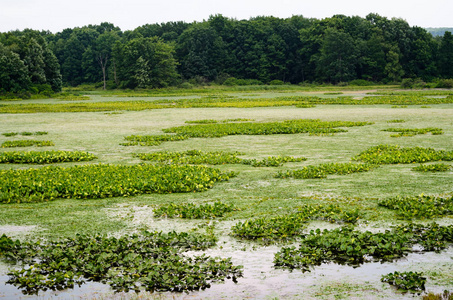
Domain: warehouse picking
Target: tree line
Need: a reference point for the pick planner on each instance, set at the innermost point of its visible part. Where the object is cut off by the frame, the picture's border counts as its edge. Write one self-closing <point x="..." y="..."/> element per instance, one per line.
<point x="259" y="50"/>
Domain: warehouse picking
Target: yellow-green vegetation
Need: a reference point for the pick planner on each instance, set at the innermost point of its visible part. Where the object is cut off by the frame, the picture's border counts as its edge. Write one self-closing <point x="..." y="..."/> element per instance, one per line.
<point x="102" y="181"/>
<point x="225" y="101"/>
<point x="413" y="131"/>
<point x="321" y="171"/>
<point x="313" y="127"/>
<point x="214" y="158"/>
<point x="390" y="154"/>
<point x="193" y="211"/>
<point x="26" y="143"/>
<point x="44" y="157"/>
<point x="432" y="168"/>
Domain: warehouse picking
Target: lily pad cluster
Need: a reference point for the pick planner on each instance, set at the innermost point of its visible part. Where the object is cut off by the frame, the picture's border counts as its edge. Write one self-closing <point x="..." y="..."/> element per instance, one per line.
<point x="322" y="170"/>
<point x="413" y="282"/>
<point x="392" y="154"/>
<point x="414" y="131"/>
<point x="290" y="226"/>
<point x="193" y="211"/>
<point x="433" y="168"/>
<point x="44" y="157"/>
<point x="151" y="261"/>
<point x="26" y="143"/>
<point x="214" y="158"/>
<point x="420" y="207"/>
<point x="348" y="246"/>
<point x="103" y="181"/>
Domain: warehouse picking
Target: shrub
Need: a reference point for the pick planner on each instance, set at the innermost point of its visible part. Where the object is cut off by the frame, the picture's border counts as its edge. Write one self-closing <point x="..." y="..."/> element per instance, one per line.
<point x="360" y="82"/>
<point x="276" y="82"/>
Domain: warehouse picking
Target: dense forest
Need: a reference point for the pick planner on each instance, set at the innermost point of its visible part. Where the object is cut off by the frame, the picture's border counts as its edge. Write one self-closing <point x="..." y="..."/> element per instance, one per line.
<point x="260" y="50"/>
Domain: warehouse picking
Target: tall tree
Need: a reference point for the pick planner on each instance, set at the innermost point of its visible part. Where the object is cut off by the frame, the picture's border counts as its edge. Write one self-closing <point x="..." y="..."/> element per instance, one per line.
<point x="13" y="72"/>
<point x="446" y="56"/>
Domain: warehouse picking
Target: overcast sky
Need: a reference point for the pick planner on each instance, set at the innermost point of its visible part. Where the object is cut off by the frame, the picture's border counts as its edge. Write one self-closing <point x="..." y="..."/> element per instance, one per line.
<point x="56" y="15"/>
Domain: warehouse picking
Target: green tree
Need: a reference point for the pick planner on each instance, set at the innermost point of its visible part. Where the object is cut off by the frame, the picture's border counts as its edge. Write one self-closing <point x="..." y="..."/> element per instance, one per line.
<point x="151" y="56"/>
<point x="13" y="72"/>
<point x="393" y="67"/>
<point x="338" y="57"/>
<point x="446" y="56"/>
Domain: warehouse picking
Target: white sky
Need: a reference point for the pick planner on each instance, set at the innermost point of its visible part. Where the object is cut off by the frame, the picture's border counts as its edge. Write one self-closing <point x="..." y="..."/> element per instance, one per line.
<point x="56" y="15"/>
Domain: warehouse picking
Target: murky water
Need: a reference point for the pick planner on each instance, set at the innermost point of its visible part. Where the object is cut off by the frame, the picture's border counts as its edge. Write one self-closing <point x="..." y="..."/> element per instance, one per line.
<point x="262" y="281"/>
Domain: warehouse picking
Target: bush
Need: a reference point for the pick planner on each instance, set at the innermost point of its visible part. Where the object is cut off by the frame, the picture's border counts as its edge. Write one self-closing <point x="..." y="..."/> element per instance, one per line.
<point x="276" y="82"/>
<point x="360" y="82"/>
<point x="445" y="84"/>
<point x="232" y="81"/>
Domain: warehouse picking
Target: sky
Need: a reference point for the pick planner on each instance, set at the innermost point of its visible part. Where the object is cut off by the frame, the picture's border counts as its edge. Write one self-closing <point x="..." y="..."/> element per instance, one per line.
<point x="56" y="15"/>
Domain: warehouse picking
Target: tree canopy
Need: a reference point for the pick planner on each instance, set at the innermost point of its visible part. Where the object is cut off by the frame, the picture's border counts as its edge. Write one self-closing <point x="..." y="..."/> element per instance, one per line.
<point x="297" y="49"/>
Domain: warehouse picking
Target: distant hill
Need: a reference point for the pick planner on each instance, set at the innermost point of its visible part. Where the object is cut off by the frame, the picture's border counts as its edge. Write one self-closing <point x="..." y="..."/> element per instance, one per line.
<point x="439" y="31"/>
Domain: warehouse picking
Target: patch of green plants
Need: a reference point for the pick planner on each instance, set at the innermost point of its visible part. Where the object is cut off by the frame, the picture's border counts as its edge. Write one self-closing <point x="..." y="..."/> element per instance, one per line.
<point x="399" y="106"/>
<point x="272" y="161"/>
<point x="103" y="181"/>
<point x="151" y="261"/>
<point x="25" y="133"/>
<point x="322" y="170"/>
<point x="44" y="157"/>
<point x="289" y="226"/>
<point x="413" y="282"/>
<point x="191" y="211"/>
<point x="333" y="93"/>
<point x="286" y="127"/>
<point x="73" y="97"/>
<point x="420" y="207"/>
<point x="26" y="143"/>
<point x="151" y="140"/>
<point x="348" y="246"/>
<point x="432" y="168"/>
<point x="214" y="158"/>
<point x="192" y="157"/>
<point x="396" y="121"/>
<point x="393" y="154"/>
<point x="414" y="131"/>
<point x="212" y="121"/>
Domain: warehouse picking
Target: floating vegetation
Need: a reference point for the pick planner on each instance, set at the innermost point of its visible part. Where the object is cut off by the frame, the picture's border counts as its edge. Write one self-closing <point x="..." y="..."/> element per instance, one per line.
<point x="399" y="106"/>
<point x="151" y="261"/>
<point x="74" y="98"/>
<point x="420" y="207"/>
<point x="290" y="226"/>
<point x="26" y="143"/>
<point x="211" y="121"/>
<point x="44" y="157"/>
<point x="392" y="154"/>
<point x="222" y="101"/>
<point x="396" y="121"/>
<point x="192" y="157"/>
<point x="312" y="126"/>
<point x="322" y="170"/>
<point x="151" y="140"/>
<point x="432" y="168"/>
<point x="191" y="211"/>
<point x="102" y="181"/>
<point x="214" y="158"/>
<point x="414" y="131"/>
<point x="25" y="133"/>
<point x="348" y="246"/>
<point x="413" y="282"/>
